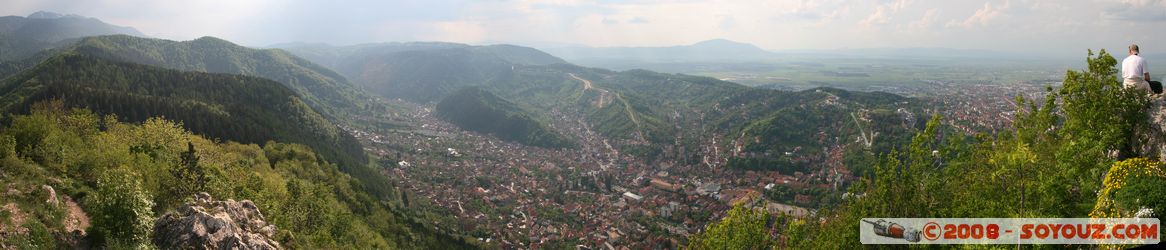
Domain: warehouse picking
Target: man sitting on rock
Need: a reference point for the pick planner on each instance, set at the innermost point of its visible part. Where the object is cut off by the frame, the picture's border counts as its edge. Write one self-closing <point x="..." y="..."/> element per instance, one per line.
<point x="1134" y="73"/>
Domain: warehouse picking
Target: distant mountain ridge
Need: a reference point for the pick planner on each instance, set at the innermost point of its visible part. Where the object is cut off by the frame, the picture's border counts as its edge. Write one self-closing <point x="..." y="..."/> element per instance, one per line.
<point x="721" y="55"/>
<point x="716" y="50"/>
<point x="329" y="55"/>
<point x="633" y="105"/>
<point x="531" y="79"/>
<point x="51" y="15"/>
<point x="21" y="37"/>
<point x="422" y="71"/>
<point x="907" y="52"/>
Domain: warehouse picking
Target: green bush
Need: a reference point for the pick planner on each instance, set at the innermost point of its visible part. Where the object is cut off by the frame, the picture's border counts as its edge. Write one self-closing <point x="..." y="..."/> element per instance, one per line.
<point x="742" y="228"/>
<point x="38" y="237"/>
<point x="120" y="209"/>
<point x="1143" y="192"/>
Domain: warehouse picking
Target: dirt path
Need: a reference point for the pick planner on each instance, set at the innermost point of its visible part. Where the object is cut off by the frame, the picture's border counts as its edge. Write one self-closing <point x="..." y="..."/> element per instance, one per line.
<point x="628" y="108"/>
<point x="15" y="218"/>
<point x="76" y="219"/>
<point x="605" y="97"/>
<point x="586" y="84"/>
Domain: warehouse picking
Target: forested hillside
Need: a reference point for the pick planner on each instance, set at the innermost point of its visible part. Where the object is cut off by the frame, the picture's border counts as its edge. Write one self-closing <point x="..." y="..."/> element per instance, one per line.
<point x="319" y="87"/>
<point x="478" y="110"/>
<point x="227" y="107"/>
<point x="806" y="122"/>
<point x="636" y="105"/>
<point x="107" y="180"/>
<point x="268" y="96"/>
<point x="664" y="108"/>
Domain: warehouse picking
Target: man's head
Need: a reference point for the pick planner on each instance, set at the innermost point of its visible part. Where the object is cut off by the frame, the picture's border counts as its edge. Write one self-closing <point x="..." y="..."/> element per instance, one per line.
<point x="1133" y="49"/>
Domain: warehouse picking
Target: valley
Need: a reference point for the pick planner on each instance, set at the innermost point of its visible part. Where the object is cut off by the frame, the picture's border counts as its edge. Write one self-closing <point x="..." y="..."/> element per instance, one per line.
<point x="512" y="195"/>
<point x="111" y="139"/>
<point x="523" y="196"/>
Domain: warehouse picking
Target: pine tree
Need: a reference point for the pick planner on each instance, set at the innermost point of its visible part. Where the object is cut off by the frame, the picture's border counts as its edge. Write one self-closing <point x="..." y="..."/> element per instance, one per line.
<point x="191" y="177"/>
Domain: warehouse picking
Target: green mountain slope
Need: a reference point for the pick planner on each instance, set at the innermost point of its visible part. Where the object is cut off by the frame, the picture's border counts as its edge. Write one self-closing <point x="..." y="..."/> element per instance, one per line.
<point x="478" y="110"/>
<point x="636" y="105"/>
<point x="674" y="108"/>
<point x="121" y="176"/>
<point x="610" y="102"/>
<point x="772" y="123"/>
<point x="319" y="87"/>
<point x="232" y="107"/>
<point x="324" y="209"/>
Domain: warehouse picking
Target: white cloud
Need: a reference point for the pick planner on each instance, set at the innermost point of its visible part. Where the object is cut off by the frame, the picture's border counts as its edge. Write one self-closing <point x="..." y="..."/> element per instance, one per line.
<point x="899" y="5"/>
<point x="168" y="19"/>
<point x="810" y="10"/>
<point x="925" y="22"/>
<point x="20" y="7"/>
<point x="1141" y="3"/>
<point x="1136" y="10"/>
<point x="456" y="31"/>
<point x="876" y="18"/>
<point x="836" y="13"/>
<point x="982" y="16"/>
<point x="884" y="12"/>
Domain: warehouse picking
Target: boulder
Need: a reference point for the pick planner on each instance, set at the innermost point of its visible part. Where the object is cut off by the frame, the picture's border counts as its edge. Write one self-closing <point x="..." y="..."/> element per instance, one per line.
<point x="1150" y="138"/>
<point x="209" y="224"/>
<point x="52" y="200"/>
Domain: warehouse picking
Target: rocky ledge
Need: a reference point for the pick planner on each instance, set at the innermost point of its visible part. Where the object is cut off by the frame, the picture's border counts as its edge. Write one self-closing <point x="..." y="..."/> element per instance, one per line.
<point x="209" y="224"/>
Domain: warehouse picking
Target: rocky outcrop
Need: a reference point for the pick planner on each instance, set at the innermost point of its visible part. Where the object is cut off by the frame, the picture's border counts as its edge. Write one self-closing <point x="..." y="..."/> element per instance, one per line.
<point x="52" y="200"/>
<point x="209" y="224"/>
<point x="1150" y="137"/>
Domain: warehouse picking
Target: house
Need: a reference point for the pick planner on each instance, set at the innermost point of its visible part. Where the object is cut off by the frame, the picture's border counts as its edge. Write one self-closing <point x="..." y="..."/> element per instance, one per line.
<point x="663" y="185"/>
<point x="802" y="199"/>
<point x="791" y="210"/>
<point x="632" y="196"/>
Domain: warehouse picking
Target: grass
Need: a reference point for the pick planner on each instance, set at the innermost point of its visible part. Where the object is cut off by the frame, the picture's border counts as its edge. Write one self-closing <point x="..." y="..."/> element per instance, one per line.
<point x="38" y="220"/>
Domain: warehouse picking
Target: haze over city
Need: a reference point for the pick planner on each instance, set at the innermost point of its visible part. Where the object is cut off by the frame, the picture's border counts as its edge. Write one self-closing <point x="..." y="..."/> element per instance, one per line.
<point x="1063" y="28"/>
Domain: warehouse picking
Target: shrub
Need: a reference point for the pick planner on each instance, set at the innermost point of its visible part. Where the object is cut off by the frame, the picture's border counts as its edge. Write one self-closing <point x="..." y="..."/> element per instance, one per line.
<point x="121" y="210"/>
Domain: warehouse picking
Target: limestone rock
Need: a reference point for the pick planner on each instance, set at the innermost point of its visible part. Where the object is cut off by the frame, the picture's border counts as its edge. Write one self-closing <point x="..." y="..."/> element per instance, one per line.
<point x="1150" y="138"/>
<point x="209" y="224"/>
<point x="52" y="200"/>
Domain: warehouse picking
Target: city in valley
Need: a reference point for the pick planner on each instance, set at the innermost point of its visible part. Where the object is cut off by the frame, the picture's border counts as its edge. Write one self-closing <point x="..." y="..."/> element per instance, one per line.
<point x="524" y="196"/>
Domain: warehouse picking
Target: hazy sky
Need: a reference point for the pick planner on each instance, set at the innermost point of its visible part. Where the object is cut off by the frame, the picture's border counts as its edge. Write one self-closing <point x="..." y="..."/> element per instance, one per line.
<point x="1040" y="26"/>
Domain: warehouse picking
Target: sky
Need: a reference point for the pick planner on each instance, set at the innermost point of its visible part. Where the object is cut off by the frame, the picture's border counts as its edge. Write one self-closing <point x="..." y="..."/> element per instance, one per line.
<point x="1035" y="26"/>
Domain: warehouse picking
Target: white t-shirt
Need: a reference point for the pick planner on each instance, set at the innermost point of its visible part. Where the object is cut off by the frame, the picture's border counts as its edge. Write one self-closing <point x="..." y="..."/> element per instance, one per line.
<point x="1133" y="67"/>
